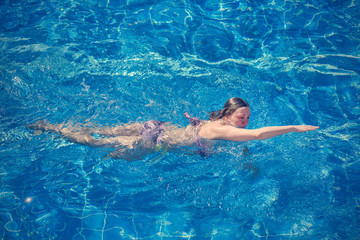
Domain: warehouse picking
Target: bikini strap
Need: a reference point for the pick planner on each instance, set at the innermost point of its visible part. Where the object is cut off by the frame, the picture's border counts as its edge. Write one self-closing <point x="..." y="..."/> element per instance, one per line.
<point x="194" y="121"/>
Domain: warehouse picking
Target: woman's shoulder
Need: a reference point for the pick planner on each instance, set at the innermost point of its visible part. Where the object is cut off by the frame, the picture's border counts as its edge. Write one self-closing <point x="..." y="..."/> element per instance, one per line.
<point x="210" y="129"/>
<point x="214" y="124"/>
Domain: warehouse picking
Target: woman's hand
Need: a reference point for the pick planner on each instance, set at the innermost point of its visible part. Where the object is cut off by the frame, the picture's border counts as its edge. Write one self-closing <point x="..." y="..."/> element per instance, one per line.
<point x="304" y="128"/>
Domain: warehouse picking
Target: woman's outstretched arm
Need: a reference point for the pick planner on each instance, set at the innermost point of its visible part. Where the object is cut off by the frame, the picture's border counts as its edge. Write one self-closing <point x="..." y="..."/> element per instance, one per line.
<point x="239" y="134"/>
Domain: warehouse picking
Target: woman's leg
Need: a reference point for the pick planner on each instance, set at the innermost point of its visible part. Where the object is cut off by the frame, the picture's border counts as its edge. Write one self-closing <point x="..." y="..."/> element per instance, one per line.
<point x="133" y="129"/>
<point x="129" y="154"/>
<point x="82" y="135"/>
<point x="129" y="142"/>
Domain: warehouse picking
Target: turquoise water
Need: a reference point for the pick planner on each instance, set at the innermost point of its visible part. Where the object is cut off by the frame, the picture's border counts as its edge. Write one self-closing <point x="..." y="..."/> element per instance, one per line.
<point x="111" y="62"/>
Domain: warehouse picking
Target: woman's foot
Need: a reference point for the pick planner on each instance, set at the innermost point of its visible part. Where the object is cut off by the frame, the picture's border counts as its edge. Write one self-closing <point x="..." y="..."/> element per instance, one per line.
<point x="39" y="125"/>
<point x="43" y="125"/>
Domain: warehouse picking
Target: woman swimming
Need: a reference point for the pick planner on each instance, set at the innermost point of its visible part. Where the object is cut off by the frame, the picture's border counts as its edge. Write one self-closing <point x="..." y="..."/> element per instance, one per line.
<point x="142" y="138"/>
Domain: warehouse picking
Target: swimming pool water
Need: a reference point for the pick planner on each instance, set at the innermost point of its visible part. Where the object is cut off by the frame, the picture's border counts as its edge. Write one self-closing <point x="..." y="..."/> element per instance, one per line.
<point x="111" y="62"/>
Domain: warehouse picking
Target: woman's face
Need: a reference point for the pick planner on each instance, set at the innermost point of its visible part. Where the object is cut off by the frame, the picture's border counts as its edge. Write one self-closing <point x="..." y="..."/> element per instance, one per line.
<point x="239" y="118"/>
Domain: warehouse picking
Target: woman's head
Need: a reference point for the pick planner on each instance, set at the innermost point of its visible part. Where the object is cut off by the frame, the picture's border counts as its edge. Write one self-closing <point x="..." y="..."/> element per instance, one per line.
<point x="236" y="111"/>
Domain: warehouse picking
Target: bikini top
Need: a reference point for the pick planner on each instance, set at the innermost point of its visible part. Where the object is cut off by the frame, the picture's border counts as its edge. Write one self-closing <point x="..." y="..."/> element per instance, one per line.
<point x="194" y="121"/>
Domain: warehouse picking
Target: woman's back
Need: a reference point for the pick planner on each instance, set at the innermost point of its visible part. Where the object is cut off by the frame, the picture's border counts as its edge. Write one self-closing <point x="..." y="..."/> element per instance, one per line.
<point x="179" y="136"/>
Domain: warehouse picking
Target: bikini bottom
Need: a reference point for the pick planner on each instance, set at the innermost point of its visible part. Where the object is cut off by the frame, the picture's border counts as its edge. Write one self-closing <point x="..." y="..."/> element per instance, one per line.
<point x="153" y="130"/>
